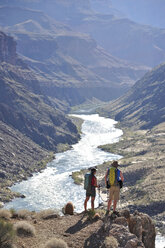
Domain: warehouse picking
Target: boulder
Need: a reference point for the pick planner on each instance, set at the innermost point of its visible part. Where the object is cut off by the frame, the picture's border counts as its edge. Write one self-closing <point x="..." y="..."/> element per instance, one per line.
<point x="121" y="221"/>
<point x="124" y="237"/>
<point x="142" y="226"/>
<point x="125" y="213"/>
<point x="69" y="208"/>
<point x="135" y="226"/>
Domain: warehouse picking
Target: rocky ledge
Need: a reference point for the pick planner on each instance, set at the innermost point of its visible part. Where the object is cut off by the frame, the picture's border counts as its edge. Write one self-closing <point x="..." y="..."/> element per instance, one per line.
<point x="92" y="229"/>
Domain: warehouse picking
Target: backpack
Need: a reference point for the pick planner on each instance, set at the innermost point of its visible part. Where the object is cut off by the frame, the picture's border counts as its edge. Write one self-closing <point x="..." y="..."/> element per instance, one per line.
<point x="87" y="181"/>
<point x="113" y="176"/>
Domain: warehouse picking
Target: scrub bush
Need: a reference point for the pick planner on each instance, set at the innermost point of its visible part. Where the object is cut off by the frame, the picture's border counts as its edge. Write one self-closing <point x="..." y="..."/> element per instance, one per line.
<point x="56" y="243"/>
<point x="24" y="214"/>
<point x="23" y="228"/>
<point x="47" y="214"/>
<point x="5" y="214"/>
<point x="7" y="234"/>
<point x="111" y="242"/>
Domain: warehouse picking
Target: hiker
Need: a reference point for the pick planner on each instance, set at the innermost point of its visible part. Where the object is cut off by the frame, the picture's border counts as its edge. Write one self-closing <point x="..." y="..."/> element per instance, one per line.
<point x="91" y="188"/>
<point x="114" y="179"/>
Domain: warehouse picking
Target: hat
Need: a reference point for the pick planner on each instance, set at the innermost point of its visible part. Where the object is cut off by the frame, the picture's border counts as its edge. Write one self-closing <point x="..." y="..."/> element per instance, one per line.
<point x="115" y="164"/>
<point x="93" y="169"/>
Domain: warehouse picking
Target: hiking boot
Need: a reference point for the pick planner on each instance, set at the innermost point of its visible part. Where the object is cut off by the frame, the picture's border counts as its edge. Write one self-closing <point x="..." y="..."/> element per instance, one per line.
<point x="116" y="213"/>
<point x="84" y="212"/>
<point x="107" y="213"/>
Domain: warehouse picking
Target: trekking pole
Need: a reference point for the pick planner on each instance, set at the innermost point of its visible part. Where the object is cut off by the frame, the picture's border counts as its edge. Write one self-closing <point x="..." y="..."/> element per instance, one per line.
<point x="107" y="195"/>
<point x="99" y="194"/>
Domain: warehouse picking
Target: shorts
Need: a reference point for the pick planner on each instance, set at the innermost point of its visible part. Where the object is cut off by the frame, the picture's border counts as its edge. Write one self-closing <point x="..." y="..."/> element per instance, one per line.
<point x="91" y="192"/>
<point x="114" y="193"/>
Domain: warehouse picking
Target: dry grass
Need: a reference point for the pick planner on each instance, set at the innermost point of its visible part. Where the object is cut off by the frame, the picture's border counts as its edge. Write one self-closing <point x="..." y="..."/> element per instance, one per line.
<point x="24" y="214"/>
<point x="56" y="243"/>
<point x="45" y="214"/>
<point x="111" y="242"/>
<point x="24" y="229"/>
<point x="7" y="234"/>
<point x="5" y="214"/>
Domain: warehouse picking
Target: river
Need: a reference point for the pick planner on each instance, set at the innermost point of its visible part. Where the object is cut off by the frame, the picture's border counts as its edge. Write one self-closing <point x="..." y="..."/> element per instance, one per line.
<point x="54" y="187"/>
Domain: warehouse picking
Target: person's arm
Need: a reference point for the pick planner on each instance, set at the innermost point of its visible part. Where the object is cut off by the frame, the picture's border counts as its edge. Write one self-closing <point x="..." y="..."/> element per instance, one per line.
<point x="96" y="182"/>
<point x="121" y="176"/>
<point x="106" y="178"/>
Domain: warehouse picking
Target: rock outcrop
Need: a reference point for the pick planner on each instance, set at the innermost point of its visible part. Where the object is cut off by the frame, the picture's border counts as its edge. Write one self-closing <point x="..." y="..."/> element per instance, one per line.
<point x="83" y="230"/>
<point x="142" y="226"/>
<point x="69" y="208"/>
<point x="124" y="237"/>
<point x="132" y="230"/>
<point x="7" y="49"/>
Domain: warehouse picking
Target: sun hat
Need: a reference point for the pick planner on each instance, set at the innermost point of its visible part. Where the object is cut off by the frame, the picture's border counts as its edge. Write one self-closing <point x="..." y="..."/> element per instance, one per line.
<point x="115" y="164"/>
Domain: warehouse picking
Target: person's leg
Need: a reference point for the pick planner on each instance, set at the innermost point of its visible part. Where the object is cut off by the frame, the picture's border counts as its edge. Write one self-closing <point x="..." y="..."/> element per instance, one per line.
<point x="111" y="196"/>
<point x="109" y="204"/>
<point x="116" y="197"/>
<point x="114" y="205"/>
<point x="92" y="202"/>
<point x="85" y="202"/>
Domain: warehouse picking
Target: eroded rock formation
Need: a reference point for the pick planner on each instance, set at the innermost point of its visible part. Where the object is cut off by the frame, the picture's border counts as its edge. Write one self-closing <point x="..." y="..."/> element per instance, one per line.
<point x="7" y="49"/>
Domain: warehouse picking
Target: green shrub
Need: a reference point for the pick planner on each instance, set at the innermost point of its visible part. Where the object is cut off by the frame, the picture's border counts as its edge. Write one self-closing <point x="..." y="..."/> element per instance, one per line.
<point x="7" y="234"/>
<point x="23" y="228"/>
<point x="91" y="213"/>
<point x="77" y="176"/>
<point x="56" y="243"/>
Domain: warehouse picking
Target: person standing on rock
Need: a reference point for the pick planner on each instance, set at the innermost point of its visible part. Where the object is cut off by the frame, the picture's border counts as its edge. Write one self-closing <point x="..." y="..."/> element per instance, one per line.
<point x="90" y="185"/>
<point x="113" y="180"/>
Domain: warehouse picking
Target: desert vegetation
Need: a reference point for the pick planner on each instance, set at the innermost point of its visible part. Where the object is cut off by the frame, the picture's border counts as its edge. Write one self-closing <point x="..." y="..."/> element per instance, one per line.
<point x="77" y="230"/>
<point x="5" y="214"/>
<point x="111" y="242"/>
<point x="23" y="228"/>
<point x="7" y="234"/>
<point x="56" y="243"/>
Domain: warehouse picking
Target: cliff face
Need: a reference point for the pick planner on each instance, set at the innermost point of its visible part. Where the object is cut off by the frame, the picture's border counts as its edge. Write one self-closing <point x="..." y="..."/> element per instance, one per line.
<point x="144" y="104"/>
<point x="23" y="107"/>
<point x="30" y="124"/>
<point x="74" y="68"/>
<point x="7" y="49"/>
<point x="67" y="61"/>
<point x="30" y="113"/>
